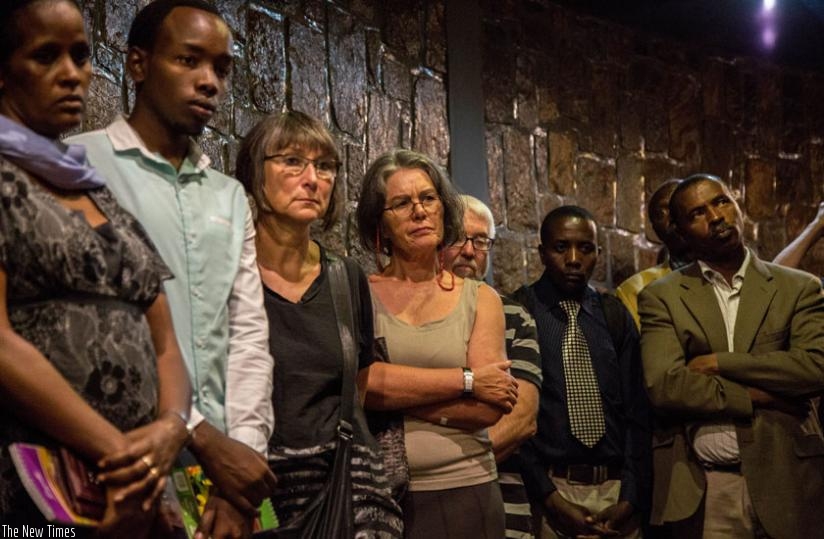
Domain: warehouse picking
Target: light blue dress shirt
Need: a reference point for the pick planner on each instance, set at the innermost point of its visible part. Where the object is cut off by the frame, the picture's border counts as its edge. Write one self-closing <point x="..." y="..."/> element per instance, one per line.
<point x="200" y="222"/>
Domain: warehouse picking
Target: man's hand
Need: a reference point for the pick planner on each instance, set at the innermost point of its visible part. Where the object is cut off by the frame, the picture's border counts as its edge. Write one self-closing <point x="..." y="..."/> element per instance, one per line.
<point x="762" y="399"/>
<point x="220" y="520"/>
<point x="617" y="519"/>
<point x="494" y="385"/>
<point x="240" y="473"/>
<point x="707" y="364"/>
<point x="569" y="518"/>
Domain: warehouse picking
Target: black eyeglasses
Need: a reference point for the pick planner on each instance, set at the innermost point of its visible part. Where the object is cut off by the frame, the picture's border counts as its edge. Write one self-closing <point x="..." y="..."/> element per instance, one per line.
<point x="294" y="165"/>
<point x="479" y="243"/>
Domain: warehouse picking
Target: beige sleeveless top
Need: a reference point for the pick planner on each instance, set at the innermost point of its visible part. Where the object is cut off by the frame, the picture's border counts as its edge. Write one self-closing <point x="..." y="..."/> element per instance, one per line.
<point x="439" y="457"/>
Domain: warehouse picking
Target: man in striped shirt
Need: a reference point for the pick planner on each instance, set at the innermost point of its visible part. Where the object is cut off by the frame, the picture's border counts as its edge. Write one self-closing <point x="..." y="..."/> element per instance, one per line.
<point x="469" y="258"/>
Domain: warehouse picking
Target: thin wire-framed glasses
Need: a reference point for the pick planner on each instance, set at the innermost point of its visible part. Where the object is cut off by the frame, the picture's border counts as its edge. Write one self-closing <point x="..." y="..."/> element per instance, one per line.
<point x="294" y="165"/>
<point x="479" y="243"/>
<point x="405" y="207"/>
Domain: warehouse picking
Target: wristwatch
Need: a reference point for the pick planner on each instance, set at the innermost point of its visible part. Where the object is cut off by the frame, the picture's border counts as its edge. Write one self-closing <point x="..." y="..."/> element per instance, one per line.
<point x="469" y="382"/>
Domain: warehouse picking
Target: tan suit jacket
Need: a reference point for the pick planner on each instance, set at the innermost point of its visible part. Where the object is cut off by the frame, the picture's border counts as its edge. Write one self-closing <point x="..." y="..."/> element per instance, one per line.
<point x="778" y="347"/>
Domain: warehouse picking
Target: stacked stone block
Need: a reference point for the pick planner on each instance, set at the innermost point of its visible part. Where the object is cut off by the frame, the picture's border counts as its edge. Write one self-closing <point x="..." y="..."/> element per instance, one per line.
<point x="599" y="115"/>
<point x="577" y="110"/>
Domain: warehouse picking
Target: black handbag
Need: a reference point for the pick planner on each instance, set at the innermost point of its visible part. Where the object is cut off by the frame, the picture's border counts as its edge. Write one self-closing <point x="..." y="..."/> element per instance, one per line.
<point x="330" y="514"/>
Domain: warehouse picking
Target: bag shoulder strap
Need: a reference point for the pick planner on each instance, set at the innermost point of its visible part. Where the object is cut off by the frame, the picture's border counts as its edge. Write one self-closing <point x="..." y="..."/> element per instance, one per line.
<point x="342" y="302"/>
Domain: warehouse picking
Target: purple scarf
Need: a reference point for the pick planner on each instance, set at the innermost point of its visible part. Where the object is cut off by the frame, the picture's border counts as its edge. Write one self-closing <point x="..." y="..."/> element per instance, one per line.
<point x="60" y="165"/>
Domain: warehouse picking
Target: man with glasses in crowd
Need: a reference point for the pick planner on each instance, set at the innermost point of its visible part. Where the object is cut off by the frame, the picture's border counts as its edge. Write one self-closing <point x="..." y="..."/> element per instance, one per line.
<point x="469" y="258"/>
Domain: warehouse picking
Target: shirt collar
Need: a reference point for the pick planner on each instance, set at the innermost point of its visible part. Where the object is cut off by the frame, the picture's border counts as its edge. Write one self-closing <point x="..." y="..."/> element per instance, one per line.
<point x="545" y="289"/>
<point x="124" y="138"/>
<point x="713" y="276"/>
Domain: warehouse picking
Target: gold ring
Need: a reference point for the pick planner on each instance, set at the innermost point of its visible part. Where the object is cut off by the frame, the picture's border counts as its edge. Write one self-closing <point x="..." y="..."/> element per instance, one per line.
<point x="147" y="461"/>
<point x="153" y="472"/>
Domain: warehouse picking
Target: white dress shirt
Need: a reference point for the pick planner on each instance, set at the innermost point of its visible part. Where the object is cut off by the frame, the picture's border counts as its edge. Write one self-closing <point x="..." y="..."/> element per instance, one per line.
<point x="717" y="443"/>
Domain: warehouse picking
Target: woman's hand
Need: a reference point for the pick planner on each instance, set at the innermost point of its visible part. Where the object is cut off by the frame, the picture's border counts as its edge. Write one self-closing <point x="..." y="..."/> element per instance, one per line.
<point x="494" y="385"/>
<point x="126" y="514"/>
<point x="150" y="454"/>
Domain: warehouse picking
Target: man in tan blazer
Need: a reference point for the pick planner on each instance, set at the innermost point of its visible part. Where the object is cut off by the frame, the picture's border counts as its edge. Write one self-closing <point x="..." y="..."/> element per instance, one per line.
<point x="733" y="355"/>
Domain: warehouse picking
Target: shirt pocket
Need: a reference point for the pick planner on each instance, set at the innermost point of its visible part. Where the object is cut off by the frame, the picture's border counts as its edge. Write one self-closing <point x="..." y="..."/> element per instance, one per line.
<point x="219" y="250"/>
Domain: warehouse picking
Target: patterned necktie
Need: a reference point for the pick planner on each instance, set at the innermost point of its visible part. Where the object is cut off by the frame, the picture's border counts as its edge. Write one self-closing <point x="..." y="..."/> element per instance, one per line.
<point x="586" y="415"/>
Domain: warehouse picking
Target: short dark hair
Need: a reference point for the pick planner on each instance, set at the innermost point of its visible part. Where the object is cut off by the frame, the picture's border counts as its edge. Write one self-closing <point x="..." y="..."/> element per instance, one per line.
<point x="685" y="184"/>
<point x="660" y="197"/>
<point x="147" y="23"/>
<point x="564" y="212"/>
<point x="664" y="190"/>
<point x="373" y="197"/>
<point x="9" y="29"/>
<point x="277" y="132"/>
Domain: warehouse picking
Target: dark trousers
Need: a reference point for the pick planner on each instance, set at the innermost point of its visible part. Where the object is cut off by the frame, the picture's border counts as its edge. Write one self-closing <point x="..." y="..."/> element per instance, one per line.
<point x="475" y="512"/>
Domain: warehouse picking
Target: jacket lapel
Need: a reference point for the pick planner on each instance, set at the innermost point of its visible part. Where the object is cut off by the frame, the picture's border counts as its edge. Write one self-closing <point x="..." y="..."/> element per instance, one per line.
<point x="699" y="298"/>
<point x="756" y="296"/>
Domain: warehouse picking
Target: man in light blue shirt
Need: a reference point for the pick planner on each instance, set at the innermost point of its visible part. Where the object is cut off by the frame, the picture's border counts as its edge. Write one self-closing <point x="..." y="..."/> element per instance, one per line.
<point x="180" y="59"/>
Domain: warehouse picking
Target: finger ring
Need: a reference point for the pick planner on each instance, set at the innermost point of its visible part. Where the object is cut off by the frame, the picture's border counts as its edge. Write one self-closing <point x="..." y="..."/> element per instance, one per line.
<point x="145" y="459"/>
<point x="153" y="472"/>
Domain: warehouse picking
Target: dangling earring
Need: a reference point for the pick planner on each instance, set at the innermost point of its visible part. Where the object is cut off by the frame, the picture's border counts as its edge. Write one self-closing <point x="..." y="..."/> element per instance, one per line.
<point x="441" y="271"/>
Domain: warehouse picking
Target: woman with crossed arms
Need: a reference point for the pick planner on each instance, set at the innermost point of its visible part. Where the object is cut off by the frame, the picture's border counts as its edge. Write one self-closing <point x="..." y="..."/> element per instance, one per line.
<point x="433" y="321"/>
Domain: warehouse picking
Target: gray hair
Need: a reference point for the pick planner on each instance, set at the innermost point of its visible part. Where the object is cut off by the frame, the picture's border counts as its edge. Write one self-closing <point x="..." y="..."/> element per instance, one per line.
<point x="475" y="206"/>
<point x="373" y="197"/>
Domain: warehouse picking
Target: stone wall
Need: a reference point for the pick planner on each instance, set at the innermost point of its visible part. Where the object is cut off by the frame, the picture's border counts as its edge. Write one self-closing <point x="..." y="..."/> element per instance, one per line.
<point x="577" y="111"/>
<point x="581" y="111"/>
<point x="377" y="81"/>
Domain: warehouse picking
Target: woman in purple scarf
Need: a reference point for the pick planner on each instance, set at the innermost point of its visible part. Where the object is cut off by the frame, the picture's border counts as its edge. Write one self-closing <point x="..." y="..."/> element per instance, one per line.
<point x="88" y="358"/>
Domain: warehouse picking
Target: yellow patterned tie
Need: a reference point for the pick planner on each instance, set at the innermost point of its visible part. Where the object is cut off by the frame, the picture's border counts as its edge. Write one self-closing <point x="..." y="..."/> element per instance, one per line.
<point x="586" y="414"/>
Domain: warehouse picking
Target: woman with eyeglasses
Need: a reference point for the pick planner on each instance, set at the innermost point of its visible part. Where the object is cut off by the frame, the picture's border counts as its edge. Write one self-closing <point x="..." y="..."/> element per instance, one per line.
<point x="434" y="323"/>
<point x="289" y="164"/>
